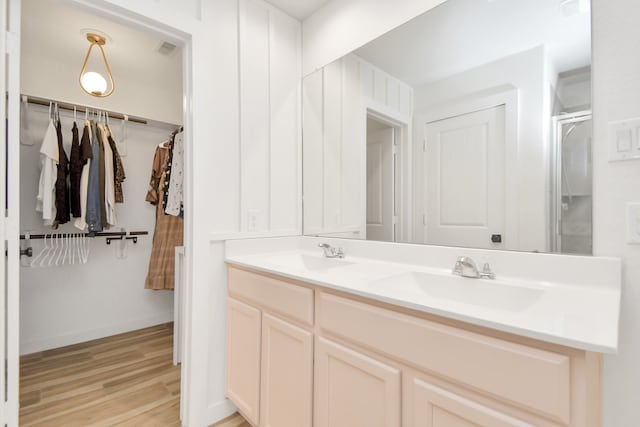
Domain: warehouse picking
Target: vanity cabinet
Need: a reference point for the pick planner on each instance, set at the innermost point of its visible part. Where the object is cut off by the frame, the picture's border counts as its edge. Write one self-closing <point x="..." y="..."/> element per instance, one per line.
<point x="296" y="348"/>
<point x="243" y="358"/>
<point x="270" y="350"/>
<point x="353" y="389"/>
<point x="434" y="406"/>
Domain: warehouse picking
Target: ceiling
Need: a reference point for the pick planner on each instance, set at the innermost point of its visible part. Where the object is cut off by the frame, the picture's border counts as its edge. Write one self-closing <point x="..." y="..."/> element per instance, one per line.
<point x="460" y="35"/>
<point x="300" y="9"/>
<point x="54" y="29"/>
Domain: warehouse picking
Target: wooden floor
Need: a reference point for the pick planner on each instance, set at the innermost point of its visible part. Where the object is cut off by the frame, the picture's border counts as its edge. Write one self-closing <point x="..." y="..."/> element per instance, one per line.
<point x="233" y="421"/>
<point x="124" y="380"/>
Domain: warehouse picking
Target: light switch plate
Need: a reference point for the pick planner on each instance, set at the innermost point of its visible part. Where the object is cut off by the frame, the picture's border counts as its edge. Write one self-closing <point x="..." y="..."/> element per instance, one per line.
<point x="633" y="223"/>
<point x="624" y="140"/>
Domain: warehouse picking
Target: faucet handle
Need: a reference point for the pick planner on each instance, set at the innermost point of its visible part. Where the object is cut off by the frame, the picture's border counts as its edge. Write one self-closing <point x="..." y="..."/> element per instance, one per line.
<point x="486" y="271"/>
<point x="457" y="268"/>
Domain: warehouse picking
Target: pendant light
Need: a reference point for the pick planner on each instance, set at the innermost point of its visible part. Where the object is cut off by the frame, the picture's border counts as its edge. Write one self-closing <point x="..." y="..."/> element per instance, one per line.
<point x="93" y="83"/>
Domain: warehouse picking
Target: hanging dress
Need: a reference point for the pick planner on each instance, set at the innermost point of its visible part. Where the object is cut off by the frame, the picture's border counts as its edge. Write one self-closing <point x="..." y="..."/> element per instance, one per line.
<point x="169" y="229"/>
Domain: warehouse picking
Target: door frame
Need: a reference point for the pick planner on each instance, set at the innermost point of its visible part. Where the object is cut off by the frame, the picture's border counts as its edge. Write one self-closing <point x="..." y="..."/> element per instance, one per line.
<point x="509" y="97"/>
<point x="401" y="168"/>
<point x="9" y="229"/>
<point x="556" y="173"/>
<point x="192" y="410"/>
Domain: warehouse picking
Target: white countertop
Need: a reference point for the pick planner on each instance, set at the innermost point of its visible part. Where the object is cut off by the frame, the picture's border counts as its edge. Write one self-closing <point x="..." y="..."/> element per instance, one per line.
<point x="583" y="317"/>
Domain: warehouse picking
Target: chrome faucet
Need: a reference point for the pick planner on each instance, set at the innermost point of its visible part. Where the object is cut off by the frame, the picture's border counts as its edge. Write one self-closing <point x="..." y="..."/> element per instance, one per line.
<point x="466" y="267"/>
<point x="330" y="251"/>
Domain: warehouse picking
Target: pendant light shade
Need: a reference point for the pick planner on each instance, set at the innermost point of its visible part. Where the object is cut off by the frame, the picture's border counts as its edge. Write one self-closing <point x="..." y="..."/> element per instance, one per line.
<point x="94" y="83"/>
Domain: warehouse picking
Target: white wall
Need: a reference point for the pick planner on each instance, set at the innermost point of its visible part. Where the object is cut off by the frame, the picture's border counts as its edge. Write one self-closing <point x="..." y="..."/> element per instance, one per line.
<point x="270" y="131"/>
<point x="524" y="72"/>
<point x="341" y="26"/>
<point x="335" y="103"/>
<point x="75" y="303"/>
<point x="616" y="85"/>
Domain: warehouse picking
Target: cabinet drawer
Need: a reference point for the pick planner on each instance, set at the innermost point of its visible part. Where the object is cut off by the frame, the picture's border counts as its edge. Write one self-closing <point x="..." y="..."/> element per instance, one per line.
<point x="277" y="296"/>
<point x="530" y="377"/>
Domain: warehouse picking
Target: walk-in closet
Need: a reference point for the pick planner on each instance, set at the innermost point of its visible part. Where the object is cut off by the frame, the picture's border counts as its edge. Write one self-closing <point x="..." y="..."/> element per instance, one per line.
<point x="101" y="220"/>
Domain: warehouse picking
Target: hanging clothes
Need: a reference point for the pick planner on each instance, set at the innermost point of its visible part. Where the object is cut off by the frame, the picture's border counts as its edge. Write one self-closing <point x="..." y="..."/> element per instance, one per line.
<point x="93" y="215"/>
<point x="117" y="166"/>
<point x="102" y="178"/>
<point x="167" y="175"/>
<point x="45" y="200"/>
<point x="63" y="214"/>
<point x="109" y="179"/>
<point x="86" y="154"/>
<point x="174" y="204"/>
<point x="169" y="229"/>
<point x="75" y="173"/>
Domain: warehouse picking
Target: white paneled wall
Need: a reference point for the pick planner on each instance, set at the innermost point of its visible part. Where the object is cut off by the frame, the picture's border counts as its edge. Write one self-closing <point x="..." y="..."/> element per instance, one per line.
<point x="270" y="134"/>
<point x="335" y="103"/>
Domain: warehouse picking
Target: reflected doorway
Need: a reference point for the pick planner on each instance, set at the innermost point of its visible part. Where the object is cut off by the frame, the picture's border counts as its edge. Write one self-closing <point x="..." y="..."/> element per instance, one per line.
<point x="381" y="180"/>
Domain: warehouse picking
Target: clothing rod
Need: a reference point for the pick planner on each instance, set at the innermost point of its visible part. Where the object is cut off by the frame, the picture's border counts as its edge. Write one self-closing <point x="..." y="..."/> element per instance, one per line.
<point x="95" y="234"/>
<point x="81" y="108"/>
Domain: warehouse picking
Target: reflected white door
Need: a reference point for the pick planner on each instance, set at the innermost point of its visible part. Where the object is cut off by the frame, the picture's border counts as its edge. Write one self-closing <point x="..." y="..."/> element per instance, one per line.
<point x="464" y="192"/>
<point x="380" y="184"/>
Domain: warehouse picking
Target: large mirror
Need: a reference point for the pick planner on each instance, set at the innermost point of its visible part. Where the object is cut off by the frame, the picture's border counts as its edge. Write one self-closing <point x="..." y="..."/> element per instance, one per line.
<point x="468" y="126"/>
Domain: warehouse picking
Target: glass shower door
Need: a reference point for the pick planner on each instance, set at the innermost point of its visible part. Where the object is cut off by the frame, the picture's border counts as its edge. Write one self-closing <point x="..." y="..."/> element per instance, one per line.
<point x="573" y="191"/>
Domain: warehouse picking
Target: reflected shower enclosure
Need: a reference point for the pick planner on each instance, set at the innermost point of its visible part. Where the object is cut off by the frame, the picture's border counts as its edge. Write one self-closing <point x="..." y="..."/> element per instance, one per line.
<point x="572" y="191"/>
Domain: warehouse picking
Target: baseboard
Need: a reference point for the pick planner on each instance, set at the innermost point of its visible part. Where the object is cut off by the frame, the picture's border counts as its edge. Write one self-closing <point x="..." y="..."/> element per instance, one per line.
<point x="82" y="336"/>
<point x="219" y="411"/>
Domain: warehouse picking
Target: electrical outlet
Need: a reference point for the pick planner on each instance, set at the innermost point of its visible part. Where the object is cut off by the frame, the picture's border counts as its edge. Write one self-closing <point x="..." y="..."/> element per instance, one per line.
<point x="252" y="219"/>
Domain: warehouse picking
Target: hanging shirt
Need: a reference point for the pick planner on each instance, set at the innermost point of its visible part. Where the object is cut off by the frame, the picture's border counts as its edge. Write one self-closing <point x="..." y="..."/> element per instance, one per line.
<point x="75" y="172"/>
<point x="117" y="167"/>
<point x="93" y="215"/>
<point x="63" y="214"/>
<point x="45" y="201"/>
<point x="85" y="158"/>
<point x="109" y="179"/>
<point x="175" y="199"/>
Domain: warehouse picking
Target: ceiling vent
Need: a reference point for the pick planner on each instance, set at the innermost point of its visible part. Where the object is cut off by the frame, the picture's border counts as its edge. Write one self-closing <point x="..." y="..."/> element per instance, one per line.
<point x="166" y="48"/>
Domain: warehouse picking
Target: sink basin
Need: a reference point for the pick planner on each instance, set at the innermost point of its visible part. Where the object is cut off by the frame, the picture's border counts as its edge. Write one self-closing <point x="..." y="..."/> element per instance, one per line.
<point x="313" y="263"/>
<point x="492" y="294"/>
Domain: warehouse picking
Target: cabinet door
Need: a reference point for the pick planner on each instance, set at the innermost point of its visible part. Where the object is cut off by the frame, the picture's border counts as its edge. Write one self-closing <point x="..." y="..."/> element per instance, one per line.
<point x="243" y="358"/>
<point x="287" y="374"/>
<point x="434" y="406"/>
<point x="354" y="390"/>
